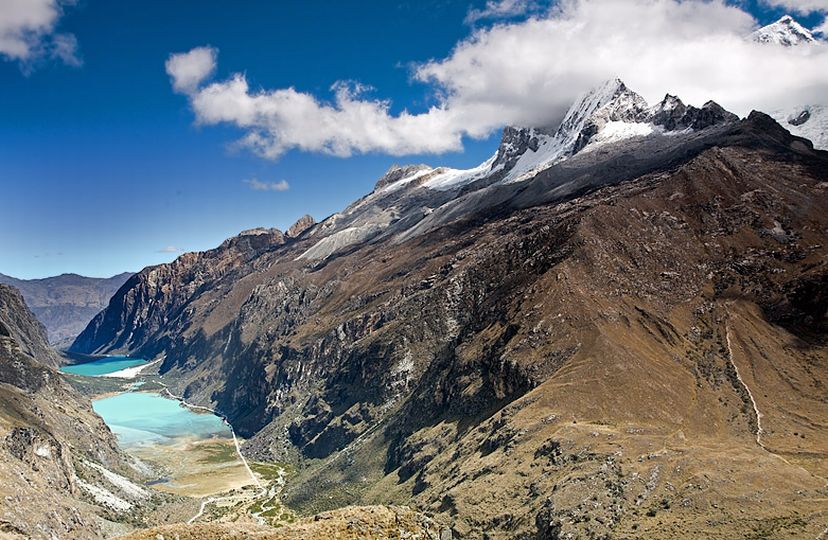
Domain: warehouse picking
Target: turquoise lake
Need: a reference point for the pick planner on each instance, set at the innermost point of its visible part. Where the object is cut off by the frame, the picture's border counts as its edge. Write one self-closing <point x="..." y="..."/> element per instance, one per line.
<point x="102" y="366"/>
<point x="139" y="418"/>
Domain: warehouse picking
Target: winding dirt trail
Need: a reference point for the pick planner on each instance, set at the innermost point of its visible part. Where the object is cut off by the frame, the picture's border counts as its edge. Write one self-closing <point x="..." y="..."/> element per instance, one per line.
<point x="759" y="416"/>
<point x="744" y="384"/>
<point x="759" y="430"/>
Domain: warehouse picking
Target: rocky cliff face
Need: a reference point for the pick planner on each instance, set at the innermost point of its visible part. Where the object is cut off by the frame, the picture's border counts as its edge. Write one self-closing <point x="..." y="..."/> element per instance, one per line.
<point x="65" y="304"/>
<point x="139" y="316"/>
<point x="61" y="474"/>
<point x="610" y="344"/>
<point x="20" y="325"/>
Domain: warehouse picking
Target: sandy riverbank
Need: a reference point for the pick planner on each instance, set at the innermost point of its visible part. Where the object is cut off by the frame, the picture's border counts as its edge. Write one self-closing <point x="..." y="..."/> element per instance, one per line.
<point x="131" y="372"/>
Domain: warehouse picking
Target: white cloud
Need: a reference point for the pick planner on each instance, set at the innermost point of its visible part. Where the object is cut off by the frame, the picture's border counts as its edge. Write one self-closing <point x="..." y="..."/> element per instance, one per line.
<point x="170" y="249"/>
<point x="823" y="28"/>
<point x="257" y="185"/>
<point x="502" y="9"/>
<point x="528" y="73"/>
<point x="800" y="6"/>
<point x="27" y="32"/>
<point x="190" y="69"/>
<point x="280" y="120"/>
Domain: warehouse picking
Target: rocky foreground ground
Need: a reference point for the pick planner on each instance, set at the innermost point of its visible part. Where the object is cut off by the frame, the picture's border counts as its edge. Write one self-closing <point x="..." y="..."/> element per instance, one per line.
<point x="351" y="523"/>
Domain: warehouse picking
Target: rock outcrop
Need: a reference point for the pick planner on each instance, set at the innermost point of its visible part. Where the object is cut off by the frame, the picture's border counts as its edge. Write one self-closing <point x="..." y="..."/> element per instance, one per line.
<point x="302" y="224"/>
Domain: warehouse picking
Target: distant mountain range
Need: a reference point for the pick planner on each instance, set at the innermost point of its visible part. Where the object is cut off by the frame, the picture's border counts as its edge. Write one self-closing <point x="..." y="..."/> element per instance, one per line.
<point x="66" y="303"/>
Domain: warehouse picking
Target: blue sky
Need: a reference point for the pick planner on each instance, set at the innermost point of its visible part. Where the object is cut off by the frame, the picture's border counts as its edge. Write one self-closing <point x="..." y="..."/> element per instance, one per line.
<point x="102" y="165"/>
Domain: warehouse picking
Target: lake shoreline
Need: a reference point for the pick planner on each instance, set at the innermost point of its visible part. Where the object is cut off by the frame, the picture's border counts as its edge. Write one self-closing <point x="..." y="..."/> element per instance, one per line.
<point x="103" y="366"/>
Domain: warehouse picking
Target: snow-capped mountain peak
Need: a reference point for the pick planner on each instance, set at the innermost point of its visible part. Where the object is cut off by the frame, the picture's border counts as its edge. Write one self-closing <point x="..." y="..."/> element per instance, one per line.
<point x="786" y="32"/>
<point x="611" y="101"/>
<point x="808" y="121"/>
<point x="608" y="113"/>
<point x="608" y="120"/>
<point x="523" y="150"/>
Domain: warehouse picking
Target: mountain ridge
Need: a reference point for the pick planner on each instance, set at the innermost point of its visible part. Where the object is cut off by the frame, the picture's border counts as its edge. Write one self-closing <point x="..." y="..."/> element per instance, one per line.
<point x="454" y="338"/>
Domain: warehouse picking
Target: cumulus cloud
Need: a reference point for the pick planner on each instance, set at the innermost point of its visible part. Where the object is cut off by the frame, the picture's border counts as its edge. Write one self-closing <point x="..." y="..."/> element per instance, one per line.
<point x="528" y="73"/>
<point x="800" y="6"/>
<point x="170" y="249"/>
<point x="190" y="69"/>
<point x="27" y="32"/>
<point x="502" y="9"/>
<point x="823" y="28"/>
<point x="280" y="120"/>
<point x="258" y="185"/>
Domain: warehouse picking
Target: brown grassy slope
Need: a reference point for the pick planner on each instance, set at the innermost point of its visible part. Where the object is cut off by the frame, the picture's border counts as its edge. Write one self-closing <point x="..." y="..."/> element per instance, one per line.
<point x="641" y="412"/>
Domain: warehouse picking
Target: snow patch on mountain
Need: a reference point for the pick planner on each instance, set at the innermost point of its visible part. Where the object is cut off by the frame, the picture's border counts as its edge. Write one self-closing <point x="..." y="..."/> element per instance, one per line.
<point x="550" y="150"/>
<point x="809" y="121"/>
<point x="341" y="240"/>
<point x="446" y="179"/>
<point x="616" y="131"/>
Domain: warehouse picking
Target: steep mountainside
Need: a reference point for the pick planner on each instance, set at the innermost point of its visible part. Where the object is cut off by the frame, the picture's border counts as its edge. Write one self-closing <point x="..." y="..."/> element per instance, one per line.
<point x="61" y="474"/>
<point x="21" y="326"/>
<point x="65" y="304"/>
<point x="625" y="338"/>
